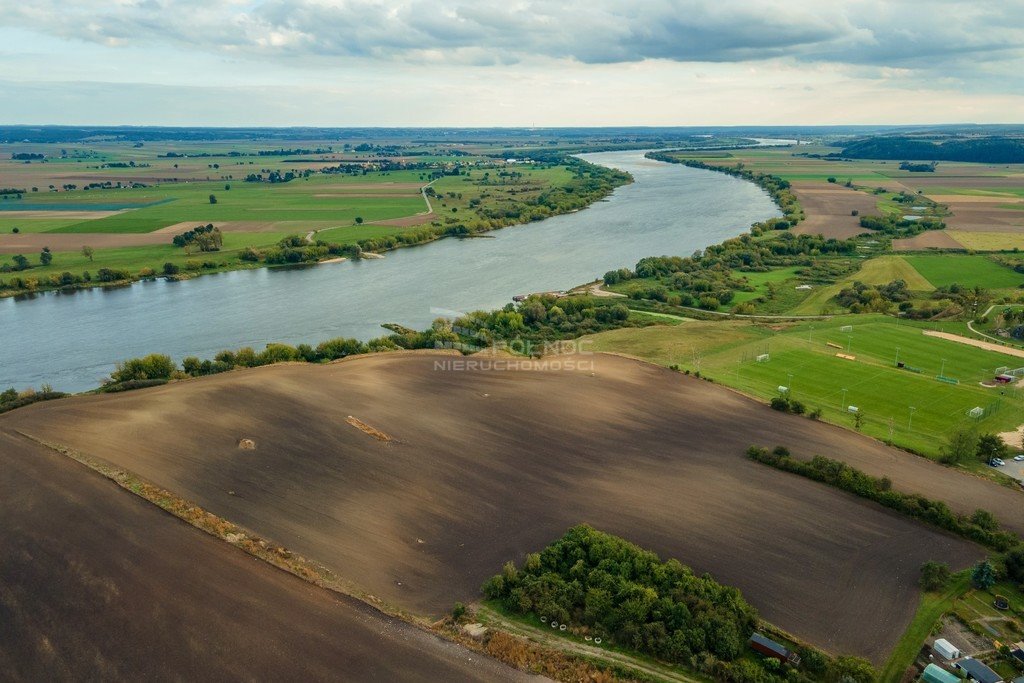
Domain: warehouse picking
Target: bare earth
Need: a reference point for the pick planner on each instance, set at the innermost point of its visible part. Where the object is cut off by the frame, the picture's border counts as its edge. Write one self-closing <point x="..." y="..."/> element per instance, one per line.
<point x="28" y="242"/>
<point x="101" y="585"/>
<point x="408" y="221"/>
<point x="989" y="346"/>
<point x="487" y="465"/>
<point x="72" y="215"/>
<point x="829" y="208"/>
<point x="930" y="239"/>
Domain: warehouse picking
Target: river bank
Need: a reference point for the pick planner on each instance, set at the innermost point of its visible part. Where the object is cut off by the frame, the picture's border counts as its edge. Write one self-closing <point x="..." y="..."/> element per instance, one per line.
<point x="669" y="209"/>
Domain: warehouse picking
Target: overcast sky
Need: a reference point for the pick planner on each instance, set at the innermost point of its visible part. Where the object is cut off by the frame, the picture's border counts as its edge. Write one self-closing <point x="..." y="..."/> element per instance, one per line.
<point x="510" y="62"/>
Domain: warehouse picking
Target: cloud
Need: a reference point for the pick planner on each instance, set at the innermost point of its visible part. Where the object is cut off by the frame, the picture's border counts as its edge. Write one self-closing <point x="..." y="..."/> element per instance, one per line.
<point x="892" y="33"/>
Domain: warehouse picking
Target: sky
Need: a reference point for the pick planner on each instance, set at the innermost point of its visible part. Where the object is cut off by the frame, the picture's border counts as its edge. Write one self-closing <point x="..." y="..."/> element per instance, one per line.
<point x="510" y="62"/>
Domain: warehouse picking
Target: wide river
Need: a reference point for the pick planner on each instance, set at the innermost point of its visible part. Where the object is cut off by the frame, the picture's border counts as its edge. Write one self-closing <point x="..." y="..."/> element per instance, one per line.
<point x="73" y="340"/>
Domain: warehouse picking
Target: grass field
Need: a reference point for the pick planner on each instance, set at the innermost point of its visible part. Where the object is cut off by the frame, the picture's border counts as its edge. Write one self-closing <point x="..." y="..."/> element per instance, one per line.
<point x="941" y="270"/>
<point x="801" y="360"/>
<point x="876" y="271"/>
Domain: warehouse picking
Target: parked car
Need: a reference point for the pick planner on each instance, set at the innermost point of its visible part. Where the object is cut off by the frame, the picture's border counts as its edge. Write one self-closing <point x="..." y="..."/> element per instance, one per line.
<point x="996" y="462"/>
<point x="1019" y="457"/>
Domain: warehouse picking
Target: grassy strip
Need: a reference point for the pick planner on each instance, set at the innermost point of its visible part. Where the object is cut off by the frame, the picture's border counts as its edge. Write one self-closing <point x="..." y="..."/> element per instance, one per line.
<point x="980" y="527"/>
<point x="513" y="651"/>
<point x="929" y="611"/>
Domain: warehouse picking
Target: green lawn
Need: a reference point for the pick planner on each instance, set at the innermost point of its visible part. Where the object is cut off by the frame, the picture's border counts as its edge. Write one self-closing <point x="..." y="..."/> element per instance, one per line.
<point x="970" y="270"/>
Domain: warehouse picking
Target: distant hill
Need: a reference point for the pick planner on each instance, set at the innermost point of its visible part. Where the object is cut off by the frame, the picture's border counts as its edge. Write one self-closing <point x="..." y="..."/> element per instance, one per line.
<point x="993" y="150"/>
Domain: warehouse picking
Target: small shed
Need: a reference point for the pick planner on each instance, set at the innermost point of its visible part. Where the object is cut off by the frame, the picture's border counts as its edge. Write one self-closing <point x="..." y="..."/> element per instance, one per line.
<point x="977" y="671"/>
<point x="936" y="674"/>
<point x="769" y="648"/>
<point x="945" y="649"/>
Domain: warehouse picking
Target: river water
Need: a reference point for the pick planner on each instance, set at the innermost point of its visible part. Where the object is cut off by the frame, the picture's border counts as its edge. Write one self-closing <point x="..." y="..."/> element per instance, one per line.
<point x="72" y="340"/>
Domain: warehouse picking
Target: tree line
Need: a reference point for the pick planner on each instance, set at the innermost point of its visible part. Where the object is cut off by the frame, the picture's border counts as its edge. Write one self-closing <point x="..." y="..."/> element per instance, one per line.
<point x="980" y="527"/>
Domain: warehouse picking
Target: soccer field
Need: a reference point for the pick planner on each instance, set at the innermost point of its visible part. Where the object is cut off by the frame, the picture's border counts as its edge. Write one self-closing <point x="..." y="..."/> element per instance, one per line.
<point x="909" y="405"/>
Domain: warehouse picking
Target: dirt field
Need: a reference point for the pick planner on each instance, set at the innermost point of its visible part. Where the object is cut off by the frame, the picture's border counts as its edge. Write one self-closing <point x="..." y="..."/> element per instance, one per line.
<point x="1008" y="350"/>
<point x="485" y="466"/>
<point x="100" y="585"/>
<point x="32" y="242"/>
<point x="930" y="239"/>
<point x="77" y="215"/>
<point x="408" y="221"/>
<point x="829" y="207"/>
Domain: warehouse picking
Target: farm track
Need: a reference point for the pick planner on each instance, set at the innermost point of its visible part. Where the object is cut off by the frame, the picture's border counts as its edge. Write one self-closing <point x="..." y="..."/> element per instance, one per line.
<point x="518" y="628"/>
<point x="466" y="483"/>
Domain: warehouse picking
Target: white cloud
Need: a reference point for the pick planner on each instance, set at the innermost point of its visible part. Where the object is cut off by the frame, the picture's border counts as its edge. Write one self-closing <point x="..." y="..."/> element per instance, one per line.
<point x="746" y="59"/>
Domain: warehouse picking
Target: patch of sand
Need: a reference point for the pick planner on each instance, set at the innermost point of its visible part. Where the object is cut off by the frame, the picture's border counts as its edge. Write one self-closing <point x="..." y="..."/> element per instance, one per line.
<point x="988" y="346"/>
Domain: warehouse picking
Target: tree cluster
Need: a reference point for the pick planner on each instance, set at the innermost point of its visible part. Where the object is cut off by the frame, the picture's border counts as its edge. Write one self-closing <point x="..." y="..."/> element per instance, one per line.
<point x="203" y="237"/>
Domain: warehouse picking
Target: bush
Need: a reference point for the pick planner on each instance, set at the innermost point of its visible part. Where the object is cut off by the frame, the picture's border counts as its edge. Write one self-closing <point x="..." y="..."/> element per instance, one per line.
<point x="934" y="576"/>
<point x="171" y="269"/>
<point x="153" y="366"/>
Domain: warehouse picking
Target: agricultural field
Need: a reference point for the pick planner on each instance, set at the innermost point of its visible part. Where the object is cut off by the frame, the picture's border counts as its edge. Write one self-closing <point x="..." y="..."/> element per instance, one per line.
<point x="907" y="405"/>
<point x="126" y="203"/>
<point x="99" y="583"/>
<point x="982" y="204"/>
<point x="409" y="479"/>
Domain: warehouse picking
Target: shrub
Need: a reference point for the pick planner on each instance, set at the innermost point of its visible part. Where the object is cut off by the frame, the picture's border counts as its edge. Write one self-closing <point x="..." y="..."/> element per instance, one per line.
<point x="153" y="366"/>
<point x="934" y="576"/>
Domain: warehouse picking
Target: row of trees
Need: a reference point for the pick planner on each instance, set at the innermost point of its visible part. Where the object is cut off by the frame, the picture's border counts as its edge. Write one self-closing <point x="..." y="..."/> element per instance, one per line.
<point x="981" y="526"/>
<point x="779" y="188"/>
<point x="523" y="328"/>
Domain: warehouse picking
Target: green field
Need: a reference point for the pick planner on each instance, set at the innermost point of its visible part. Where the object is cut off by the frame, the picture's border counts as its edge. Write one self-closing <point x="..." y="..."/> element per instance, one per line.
<point x="374" y="197"/>
<point x="969" y="270"/>
<point x="799" y="358"/>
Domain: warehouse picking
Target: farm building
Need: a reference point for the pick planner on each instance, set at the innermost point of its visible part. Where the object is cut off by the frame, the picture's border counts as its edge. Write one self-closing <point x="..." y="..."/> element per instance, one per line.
<point x="978" y="671"/>
<point x="936" y="674"/>
<point x="945" y="649"/>
<point x="769" y="648"/>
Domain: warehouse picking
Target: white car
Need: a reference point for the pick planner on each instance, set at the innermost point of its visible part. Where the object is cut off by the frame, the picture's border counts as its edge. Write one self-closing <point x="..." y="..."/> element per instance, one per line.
<point x="1018" y="458"/>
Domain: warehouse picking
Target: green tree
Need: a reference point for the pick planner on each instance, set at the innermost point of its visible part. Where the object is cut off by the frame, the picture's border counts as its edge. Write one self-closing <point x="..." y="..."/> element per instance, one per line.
<point x="1015" y="564"/>
<point x="934" y="576"/>
<point x="990" y="446"/>
<point x="359" y="220"/>
<point x="87" y="252"/>
<point x="20" y="262"/>
<point x="213" y="199"/>
<point x="961" y="444"/>
<point x="983" y="576"/>
<point x="170" y="269"/>
<point x="153" y="366"/>
<point x="46" y="256"/>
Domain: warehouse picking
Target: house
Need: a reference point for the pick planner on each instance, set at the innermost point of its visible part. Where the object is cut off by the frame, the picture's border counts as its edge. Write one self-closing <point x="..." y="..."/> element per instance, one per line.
<point x="936" y="674"/>
<point x="945" y="649"/>
<point x="769" y="648"/>
<point x="977" y="671"/>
